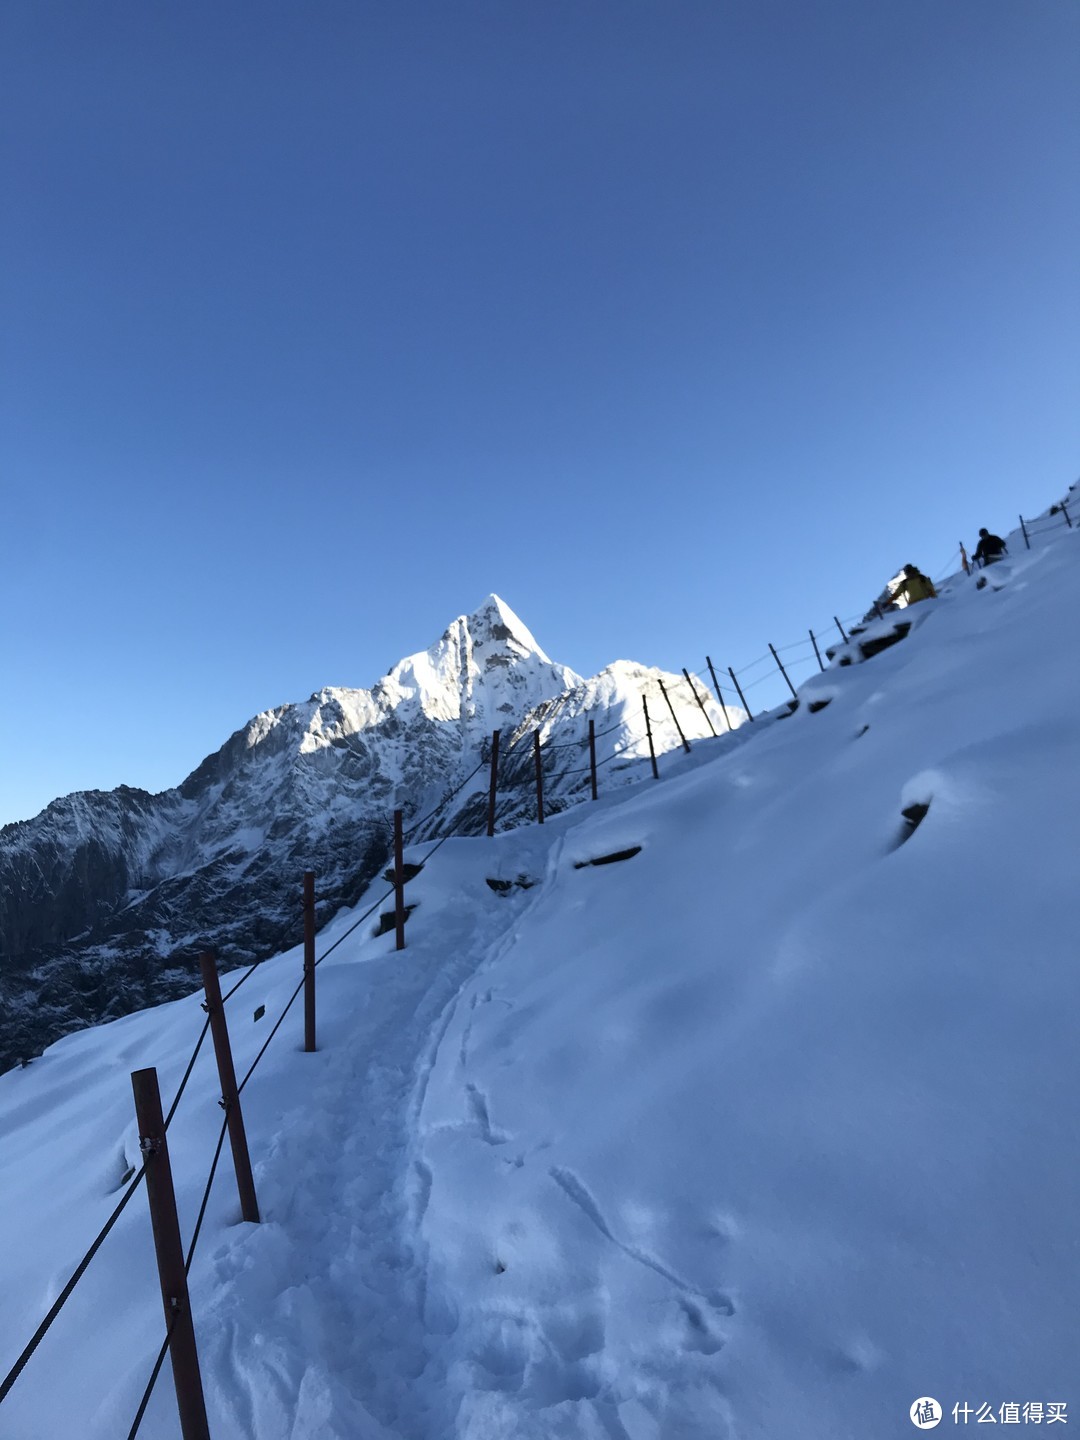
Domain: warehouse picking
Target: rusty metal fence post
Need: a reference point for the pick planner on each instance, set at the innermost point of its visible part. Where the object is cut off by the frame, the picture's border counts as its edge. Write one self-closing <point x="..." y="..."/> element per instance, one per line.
<point x="170" y="1256"/>
<point x="1023" y="527"/>
<point x="648" y="732"/>
<point x="697" y="697"/>
<point x="539" y="777"/>
<point x="309" y="961"/>
<point x="738" y="691"/>
<point x="494" y="782"/>
<point x="719" y="696"/>
<point x="399" y="883"/>
<point x="678" y="727"/>
<point x="817" y="652"/>
<point x="783" y="672"/>
<point x="839" y="627"/>
<point x="230" y="1097"/>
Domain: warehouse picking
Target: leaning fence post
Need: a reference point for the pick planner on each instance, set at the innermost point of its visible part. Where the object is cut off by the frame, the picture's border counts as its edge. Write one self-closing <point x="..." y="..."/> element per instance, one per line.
<point x="1023" y="527"/>
<point x="841" y="629"/>
<point x="170" y="1256"/>
<point x="719" y="696"/>
<point x="817" y="652"/>
<point x="592" y="756"/>
<point x="230" y="1097"/>
<point x="697" y="697"/>
<point x="494" y="781"/>
<point x="1065" y="512"/>
<point x="539" y="777"/>
<point x="678" y="727"/>
<point x="783" y="672"/>
<point x="648" y="732"/>
<point x="738" y="691"/>
<point x="309" y="961"/>
<point x="399" y="884"/>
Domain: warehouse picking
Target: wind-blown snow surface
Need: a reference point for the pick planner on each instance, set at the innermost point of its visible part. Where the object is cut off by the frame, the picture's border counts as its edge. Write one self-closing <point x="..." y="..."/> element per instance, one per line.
<point x="763" y="1132"/>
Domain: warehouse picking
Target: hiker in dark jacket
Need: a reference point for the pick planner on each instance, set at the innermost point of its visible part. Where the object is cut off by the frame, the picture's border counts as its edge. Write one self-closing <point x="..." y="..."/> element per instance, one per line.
<point x="990" y="548"/>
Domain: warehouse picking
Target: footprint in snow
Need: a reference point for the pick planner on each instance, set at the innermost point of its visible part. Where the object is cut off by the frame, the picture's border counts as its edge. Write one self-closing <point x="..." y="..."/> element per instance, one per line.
<point x="479" y="1112"/>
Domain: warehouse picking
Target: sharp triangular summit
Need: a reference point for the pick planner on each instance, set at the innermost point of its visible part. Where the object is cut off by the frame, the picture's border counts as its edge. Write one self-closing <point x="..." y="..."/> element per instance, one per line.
<point x="494" y="622"/>
<point x="485" y="669"/>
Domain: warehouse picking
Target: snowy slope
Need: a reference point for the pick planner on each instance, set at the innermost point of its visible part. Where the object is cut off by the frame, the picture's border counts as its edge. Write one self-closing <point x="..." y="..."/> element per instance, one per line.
<point x="765" y="1131"/>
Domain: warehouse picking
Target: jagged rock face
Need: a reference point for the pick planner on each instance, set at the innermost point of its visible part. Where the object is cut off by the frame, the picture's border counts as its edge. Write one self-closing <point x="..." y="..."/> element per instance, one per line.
<point x="106" y="900"/>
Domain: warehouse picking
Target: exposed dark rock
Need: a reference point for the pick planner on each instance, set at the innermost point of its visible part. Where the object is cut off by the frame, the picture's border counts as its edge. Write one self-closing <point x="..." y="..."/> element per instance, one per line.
<point x="609" y="859"/>
<point x="409" y="871"/>
<point x="388" y="920"/>
<point x="915" y="814"/>
<point x="913" y="817"/>
<point x="503" y="887"/>
<point x="874" y="646"/>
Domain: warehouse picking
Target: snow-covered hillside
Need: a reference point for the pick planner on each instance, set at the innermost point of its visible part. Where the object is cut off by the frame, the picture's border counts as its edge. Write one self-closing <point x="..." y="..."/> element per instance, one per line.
<point x="764" y="1131"/>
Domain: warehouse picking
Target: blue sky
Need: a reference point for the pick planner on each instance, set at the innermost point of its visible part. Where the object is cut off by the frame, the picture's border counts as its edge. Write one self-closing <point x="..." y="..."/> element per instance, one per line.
<point x="681" y="326"/>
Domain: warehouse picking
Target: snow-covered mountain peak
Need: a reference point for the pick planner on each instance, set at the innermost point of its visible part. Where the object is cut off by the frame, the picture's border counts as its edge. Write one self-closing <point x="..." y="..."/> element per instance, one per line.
<point x="485" y="669"/>
<point x="494" y="623"/>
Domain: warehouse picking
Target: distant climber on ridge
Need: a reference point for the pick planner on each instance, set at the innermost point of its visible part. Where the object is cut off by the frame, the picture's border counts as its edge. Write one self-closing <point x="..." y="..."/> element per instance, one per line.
<point x="989" y="549"/>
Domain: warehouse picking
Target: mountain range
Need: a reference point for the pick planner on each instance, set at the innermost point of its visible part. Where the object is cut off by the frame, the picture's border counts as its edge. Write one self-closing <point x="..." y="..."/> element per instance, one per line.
<point x="107" y="898"/>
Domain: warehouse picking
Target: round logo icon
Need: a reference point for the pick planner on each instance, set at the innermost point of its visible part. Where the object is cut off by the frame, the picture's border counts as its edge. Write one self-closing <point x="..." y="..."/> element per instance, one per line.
<point x="925" y="1413"/>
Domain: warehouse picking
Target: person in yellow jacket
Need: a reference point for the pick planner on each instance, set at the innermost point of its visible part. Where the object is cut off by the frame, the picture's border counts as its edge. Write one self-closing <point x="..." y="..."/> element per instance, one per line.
<point x="915" y="586"/>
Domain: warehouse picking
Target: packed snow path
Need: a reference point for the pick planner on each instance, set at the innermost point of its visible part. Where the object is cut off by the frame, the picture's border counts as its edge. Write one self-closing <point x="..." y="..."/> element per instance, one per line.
<point x="762" y="1132"/>
<point x="338" y="1191"/>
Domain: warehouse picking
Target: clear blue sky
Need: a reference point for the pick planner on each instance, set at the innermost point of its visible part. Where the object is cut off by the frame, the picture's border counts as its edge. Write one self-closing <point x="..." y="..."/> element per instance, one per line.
<point x="679" y="325"/>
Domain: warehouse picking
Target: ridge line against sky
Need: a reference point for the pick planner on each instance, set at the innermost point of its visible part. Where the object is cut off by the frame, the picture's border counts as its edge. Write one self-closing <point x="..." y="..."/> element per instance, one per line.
<point x="683" y="329"/>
